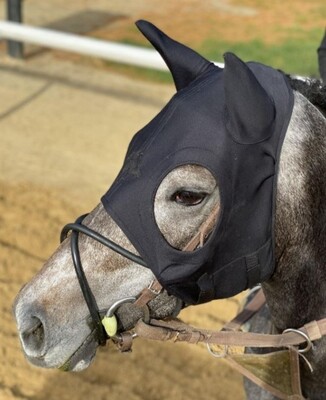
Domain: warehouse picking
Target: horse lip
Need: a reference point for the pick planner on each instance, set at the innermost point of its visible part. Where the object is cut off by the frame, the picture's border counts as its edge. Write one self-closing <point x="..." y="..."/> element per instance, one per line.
<point x="82" y="356"/>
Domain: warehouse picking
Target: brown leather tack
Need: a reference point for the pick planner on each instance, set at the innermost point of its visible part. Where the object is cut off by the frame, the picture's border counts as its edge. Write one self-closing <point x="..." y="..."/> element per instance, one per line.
<point x="313" y="330"/>
<point x="249" y="311"/>
<point x="177" y="331"/>
<point x="295" y="372"/>
<point x="124" y="343"/>
<point x="203" y="232"/>
<point x="148" y="294"/>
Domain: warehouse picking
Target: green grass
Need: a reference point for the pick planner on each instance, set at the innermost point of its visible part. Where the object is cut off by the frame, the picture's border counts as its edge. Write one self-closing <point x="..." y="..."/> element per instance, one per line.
<point x="296" y="55"/>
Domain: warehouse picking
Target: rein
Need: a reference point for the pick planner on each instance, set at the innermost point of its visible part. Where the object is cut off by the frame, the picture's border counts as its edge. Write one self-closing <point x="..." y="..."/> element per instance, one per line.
<point x="230" y="335"/>
<point x="276" y="371"/>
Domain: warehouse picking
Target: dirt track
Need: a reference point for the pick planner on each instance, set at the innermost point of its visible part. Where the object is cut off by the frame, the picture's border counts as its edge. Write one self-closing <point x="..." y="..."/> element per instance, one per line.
<point x="64" y="131"/>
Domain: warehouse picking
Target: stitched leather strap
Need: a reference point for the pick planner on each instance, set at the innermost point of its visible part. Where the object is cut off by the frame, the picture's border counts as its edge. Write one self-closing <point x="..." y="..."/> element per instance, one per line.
<point x="180" y="332"/>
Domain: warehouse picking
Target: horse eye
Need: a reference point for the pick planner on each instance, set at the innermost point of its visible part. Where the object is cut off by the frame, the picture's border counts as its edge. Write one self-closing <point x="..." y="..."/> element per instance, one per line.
<point x="188" y="198"/>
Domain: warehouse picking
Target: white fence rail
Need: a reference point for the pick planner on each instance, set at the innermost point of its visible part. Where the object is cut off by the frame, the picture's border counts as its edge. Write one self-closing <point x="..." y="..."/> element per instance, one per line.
<point x="111" y="51"/>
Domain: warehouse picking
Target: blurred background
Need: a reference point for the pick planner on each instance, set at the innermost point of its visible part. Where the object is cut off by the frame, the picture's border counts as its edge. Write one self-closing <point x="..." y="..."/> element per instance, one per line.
<point x="65" y="123"/>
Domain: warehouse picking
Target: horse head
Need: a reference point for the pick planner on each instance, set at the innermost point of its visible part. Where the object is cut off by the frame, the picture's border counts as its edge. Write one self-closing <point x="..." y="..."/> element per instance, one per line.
<point x="230" y="144"/>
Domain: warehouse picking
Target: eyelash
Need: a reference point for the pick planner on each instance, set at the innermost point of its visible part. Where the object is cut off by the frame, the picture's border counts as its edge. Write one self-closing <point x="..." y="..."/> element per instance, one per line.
<point x="188" y="198"/>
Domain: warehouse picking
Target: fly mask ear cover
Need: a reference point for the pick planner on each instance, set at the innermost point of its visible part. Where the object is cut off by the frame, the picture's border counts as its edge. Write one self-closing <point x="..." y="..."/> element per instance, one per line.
<point x="233" y="123"/>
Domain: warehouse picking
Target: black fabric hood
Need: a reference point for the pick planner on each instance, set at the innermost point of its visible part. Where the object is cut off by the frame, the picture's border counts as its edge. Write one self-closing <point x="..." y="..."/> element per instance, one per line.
<point x="231" y="121"/>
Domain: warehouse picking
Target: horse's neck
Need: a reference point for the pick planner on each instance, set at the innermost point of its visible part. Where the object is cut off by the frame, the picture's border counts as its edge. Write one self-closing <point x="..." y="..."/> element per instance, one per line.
<point x="297" y="291"/>
<point x="296" y="294"/>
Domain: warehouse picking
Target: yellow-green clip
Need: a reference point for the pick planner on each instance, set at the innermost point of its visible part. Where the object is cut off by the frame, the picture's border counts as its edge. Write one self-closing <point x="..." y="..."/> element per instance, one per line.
<point x="110" y="325"/>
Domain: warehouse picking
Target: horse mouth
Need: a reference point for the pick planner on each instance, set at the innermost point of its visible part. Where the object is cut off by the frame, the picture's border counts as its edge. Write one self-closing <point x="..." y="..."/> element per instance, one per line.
<point x="82" y="356"/>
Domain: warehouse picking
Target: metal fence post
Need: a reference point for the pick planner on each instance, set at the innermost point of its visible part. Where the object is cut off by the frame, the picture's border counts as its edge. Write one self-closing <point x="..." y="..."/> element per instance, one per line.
<point x="14" y="14"/>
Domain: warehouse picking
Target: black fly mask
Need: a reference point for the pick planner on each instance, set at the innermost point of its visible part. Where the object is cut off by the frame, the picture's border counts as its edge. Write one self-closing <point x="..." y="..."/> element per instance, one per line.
<point x="231" y="121"/>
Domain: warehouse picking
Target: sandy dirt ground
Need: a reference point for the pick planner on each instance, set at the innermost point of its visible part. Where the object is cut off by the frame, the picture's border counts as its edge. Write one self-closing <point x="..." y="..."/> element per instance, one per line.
<point x="64" y="131"/>
<point x="64" y="127"/>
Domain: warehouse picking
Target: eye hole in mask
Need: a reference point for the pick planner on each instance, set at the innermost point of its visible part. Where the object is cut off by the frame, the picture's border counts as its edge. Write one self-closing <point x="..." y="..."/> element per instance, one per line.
<point x="183" y="201"/>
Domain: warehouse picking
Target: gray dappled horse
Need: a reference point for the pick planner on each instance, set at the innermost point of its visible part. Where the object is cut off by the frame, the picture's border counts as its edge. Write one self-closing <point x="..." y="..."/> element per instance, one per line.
<point x="218" y="145"/>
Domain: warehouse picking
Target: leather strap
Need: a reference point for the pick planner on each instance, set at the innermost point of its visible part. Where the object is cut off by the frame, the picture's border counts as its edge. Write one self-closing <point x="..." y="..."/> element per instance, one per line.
<point x="203" y="232"/>
<point x="148" y="294"/>
<point x="177" y="330"/>
<point x="180" y="332"/>
<point x="313" y="330"/>
<point x="248" y="312"/>
<point x="295" y="372"/>
<point x="124" y="342"/>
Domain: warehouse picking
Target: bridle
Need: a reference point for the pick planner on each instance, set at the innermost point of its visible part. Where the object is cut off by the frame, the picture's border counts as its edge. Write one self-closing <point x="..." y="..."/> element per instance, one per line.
<point x="147" y="294"/>
<point x="176" y="330"/>
<point x="76" y="228"/>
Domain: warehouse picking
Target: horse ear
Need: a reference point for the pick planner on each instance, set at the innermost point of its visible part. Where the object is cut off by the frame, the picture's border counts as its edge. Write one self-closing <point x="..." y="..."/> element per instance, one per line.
<point x="250" y="110"/>
<point x="185" y="64"/>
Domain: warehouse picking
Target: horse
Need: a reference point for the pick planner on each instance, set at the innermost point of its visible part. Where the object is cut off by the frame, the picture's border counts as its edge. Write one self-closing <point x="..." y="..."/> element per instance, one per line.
<point x="252" y="161"/>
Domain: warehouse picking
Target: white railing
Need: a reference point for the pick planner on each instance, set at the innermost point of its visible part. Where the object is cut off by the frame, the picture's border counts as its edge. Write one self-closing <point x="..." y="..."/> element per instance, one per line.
<point x="117" y="52"/>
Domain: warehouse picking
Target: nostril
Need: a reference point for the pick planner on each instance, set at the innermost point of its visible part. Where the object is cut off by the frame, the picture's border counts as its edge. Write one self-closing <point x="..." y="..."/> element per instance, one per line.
<point x="33" y="338"/>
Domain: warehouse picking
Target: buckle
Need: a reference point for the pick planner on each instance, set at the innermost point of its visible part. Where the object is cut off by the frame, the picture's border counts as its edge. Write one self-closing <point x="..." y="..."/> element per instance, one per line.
<point x="216" y="354"/>
<point x="309" y="345"/>
<point x="152" y="288"/>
